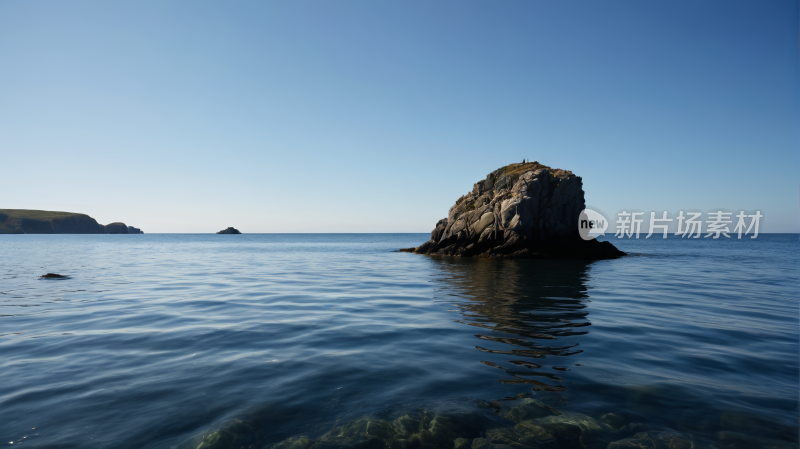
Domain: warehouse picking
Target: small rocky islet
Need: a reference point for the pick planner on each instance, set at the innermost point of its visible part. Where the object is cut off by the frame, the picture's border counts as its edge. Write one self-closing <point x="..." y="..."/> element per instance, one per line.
<point x="229" y="230"/>
<point x="530" y="424"/>
<point x="521" y="211"/>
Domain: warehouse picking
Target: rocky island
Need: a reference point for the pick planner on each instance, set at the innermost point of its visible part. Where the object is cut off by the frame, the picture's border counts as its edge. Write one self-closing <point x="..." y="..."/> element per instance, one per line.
<point x="26" y="221"/>
<point x="229" y="230"/>
<point x="526" y="210"/>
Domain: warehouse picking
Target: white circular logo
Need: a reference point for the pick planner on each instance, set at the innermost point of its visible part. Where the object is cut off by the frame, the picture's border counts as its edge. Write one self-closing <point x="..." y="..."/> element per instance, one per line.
<point x="592" y="224"/>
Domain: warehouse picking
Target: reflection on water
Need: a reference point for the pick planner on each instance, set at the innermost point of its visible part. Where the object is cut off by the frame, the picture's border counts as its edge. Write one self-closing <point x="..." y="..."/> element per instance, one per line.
<point x="524" y="311"/>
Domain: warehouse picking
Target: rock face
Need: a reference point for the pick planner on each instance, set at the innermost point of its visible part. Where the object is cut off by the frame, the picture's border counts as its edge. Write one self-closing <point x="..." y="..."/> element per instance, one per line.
<point x="230" y="230"/>
<point x="519" y="211"/>
<point x="33" y="226"/>
<point x="76" y="224"/>
<point x="25" y="221"/>
<point x="116" y="228"/>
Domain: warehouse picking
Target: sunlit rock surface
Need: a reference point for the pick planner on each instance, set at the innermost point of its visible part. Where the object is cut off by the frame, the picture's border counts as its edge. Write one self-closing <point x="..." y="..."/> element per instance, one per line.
<point x="519" y="211"/>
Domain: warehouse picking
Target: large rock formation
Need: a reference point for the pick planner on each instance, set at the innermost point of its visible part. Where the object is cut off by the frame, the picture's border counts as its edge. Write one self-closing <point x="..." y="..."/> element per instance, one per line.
<point x="519" y="211"/>
<point x="25" y="221"/>
<point x="229" y="230"/>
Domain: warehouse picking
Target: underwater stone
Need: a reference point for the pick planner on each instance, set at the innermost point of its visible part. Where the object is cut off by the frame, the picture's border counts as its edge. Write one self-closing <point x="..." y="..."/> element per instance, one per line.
<point x="406" y="425"/>
<point x="424" y="439"/>
<point x="235" y="434"/>
<point x="590" y="431"/>
<point x="364" y="433"/>
<point x="462" y="443"/>
<point x="585" y="422"/>
<point x="480" y="443"/>
<point x="654" y="440"/>
<point x="613" y="420"/>
<point x="502" y="434"/>
<point x="400" y="443"/>
<point x="217" y="440"/>
<point x="633" y="428"/>
<point x="534" y="430"/>
<point x="528" y="409"/>
<point x="298" y="442"/>
<point x="456" y="425"/>
<point x="566" y="435"/>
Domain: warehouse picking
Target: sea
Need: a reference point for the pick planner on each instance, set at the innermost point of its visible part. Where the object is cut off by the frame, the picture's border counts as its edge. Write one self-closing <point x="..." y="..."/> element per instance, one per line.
<point x="166" y="340"/>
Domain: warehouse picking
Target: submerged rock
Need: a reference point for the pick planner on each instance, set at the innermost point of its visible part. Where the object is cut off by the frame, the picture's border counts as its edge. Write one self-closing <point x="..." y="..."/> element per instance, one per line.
<point x="452" y="428"/>
<point x="235" y="434"/>
<point x="654" y="440"/>
<point x="552" y="434"/>
<point x="229" y="230"/>
<point x="53" y="276"/>
<point x="615" y="421"/>
<point x="528" y="409"/>
<point x="519" y="211"/>
<point x="634" y="428"/>
<point x="366" y="432"/>
<point x="417" y="430"/>
<point x="298" y="442"/>
<point x="462" y="443"/>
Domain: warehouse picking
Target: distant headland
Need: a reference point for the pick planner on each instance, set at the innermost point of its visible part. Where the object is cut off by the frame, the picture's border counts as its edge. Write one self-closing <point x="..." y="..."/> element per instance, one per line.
<point x="25" y="221"/>
<point x="525" y="210"/>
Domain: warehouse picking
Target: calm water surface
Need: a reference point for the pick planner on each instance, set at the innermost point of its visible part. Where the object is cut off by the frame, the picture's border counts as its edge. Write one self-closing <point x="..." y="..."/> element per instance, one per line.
<point x="156" y="339"/>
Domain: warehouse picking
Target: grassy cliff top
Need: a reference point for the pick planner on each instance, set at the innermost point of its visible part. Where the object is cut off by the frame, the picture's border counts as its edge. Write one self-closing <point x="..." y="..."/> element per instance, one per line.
<point x="515" y="170"/>
<point x="35" y="214"/>
<point x="12" y="220"/>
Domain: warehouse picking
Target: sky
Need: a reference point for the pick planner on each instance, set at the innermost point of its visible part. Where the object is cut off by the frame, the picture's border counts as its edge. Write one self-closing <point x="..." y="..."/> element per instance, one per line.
<point x="375" y="116"/>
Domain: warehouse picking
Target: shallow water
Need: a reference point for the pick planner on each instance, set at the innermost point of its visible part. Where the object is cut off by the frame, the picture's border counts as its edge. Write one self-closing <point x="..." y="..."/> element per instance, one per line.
<point x="155" y="339"/>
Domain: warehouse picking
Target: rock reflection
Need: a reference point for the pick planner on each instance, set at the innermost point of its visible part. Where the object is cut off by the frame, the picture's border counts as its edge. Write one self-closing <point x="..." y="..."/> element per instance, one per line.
<point x="525" y="310"/>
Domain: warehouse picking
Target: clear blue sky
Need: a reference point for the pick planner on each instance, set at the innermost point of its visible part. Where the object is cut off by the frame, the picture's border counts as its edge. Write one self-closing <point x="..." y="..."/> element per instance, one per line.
<point x="375" y="116"/>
